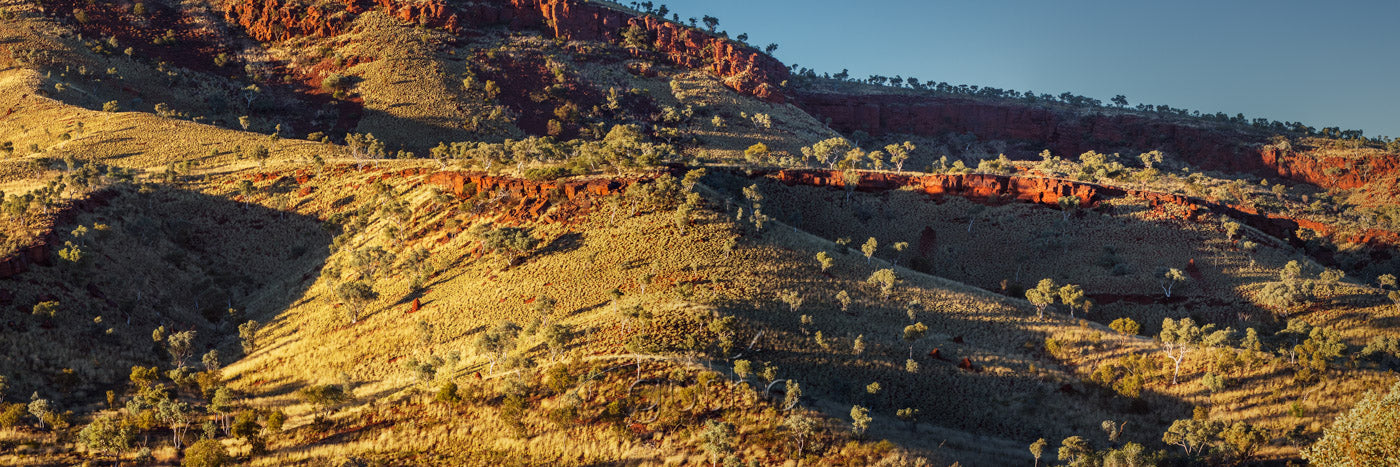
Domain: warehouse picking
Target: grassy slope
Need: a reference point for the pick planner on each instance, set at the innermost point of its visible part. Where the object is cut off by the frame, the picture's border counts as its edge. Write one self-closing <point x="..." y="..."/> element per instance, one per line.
<point x="472" y="293"/>
<point x="1224" y="293"/>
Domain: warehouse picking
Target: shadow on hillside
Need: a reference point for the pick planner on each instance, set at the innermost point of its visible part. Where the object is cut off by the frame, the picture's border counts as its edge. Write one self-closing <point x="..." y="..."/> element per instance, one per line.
<point x="162" y="256"/>
<point x="562" y="244"/>
<point x="1007" y="248"/>
<point x="1000" y="397"/>
<point x="419" y="135"/>
<point x="1011" y="405"/>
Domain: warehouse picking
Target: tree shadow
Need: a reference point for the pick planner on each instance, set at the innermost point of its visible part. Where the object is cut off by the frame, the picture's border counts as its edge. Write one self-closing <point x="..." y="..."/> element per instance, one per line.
<point x="562" y="244"/>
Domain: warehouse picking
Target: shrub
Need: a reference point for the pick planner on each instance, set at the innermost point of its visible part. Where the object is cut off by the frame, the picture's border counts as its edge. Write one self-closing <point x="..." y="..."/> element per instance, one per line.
<point x="1364" y="436"/>
<point x="258" y="153"/>
<point x="275" y="421"/>
<point x="762" y="120"/>
<point x="1126" y="326"/>
<point x="324" y="397"/>
<point x="547" y="173"/>
<point x="111" y="106"/>
<point x="48" y="308"/>
<point x="206" y="453"/>
<point x="107" y="434"/>
<point x="335" y="82"/>
<point x="448" y="393"/>
<point x="11" y="415"/>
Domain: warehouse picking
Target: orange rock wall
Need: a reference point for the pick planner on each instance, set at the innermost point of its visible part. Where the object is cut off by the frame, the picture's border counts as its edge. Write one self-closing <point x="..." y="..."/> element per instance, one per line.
<point x="743" y="68"/>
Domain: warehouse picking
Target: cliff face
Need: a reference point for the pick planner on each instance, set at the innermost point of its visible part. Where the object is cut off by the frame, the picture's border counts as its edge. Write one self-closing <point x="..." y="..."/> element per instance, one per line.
<point x="275" y="20"/>
<point x="1332" y="172"/>
<point x="19" y="261"/>
<point x="742" y="68"/>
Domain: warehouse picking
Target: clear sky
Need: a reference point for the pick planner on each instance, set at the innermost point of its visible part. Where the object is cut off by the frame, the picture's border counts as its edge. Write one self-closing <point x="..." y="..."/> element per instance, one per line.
<point x="1320" y="63"/>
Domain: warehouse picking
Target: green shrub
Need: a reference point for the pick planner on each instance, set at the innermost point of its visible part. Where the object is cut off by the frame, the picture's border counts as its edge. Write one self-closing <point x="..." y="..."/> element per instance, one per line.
<point x="448" y="393"/>
<point x="1126" y="326"/>
<point x="11" y="415"/>
<point x="206" y="453"/>
<point x="335" y="82"/>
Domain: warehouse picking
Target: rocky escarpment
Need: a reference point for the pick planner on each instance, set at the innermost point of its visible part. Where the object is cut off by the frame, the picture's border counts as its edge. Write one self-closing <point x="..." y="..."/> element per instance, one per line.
<point x="530" y="199"/>
<point x="279" y="20"/>
<point x="1033" y="128"/>
<point x="1334" y="172"/>
<point x="742" y="68"/>
<point x="1048" y="191"/>
<point x="36" y="253"/>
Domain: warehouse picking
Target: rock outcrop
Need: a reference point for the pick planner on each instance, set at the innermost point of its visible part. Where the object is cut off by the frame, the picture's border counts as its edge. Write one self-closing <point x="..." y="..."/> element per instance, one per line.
<point x="980" y="187"/>
<point x="528" y="199"/>
<point x="279" y="20"/>
<point x="37" y="253"/>
<point x="1332" y="172"/>
<point x="741" y="67"/>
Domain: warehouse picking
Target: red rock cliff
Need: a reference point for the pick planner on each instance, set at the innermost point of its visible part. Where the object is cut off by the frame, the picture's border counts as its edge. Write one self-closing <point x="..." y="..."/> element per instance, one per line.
<point x="529" y="199"/>
<point x="1333" y="172"/>
<point x="742" y="68"/>
<point x="278" y="20"/>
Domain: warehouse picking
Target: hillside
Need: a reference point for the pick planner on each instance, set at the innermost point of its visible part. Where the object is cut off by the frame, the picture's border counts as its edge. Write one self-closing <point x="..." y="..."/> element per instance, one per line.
<point x="565" y="232"/>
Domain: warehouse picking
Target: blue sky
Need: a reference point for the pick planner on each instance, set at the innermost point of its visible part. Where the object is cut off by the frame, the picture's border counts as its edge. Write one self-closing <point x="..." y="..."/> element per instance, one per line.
<point x="1319" y="63"/>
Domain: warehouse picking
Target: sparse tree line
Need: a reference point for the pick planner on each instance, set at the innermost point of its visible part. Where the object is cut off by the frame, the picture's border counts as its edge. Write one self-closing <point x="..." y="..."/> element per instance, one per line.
<point x="623" y="148"/>
<point x="634" y="38"/>
<point x="1224" y="360"/>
